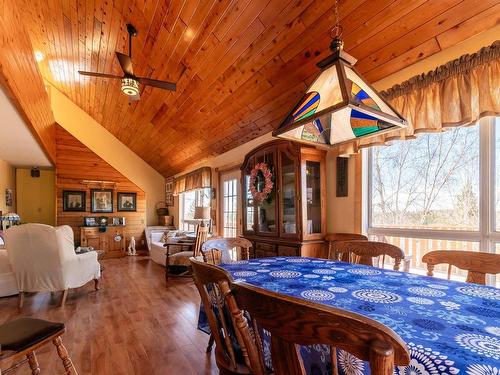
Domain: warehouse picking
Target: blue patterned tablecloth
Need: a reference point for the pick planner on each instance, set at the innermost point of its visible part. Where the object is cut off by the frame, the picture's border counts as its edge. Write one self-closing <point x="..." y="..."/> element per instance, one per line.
<point x="450" y="327"/>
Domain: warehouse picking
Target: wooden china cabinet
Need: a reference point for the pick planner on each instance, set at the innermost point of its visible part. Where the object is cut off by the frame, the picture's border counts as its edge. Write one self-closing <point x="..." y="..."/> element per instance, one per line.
<point x="291" y="221"/>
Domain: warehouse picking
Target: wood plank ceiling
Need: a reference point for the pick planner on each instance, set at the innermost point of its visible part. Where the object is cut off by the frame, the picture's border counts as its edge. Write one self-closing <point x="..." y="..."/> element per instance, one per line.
<point x="240" y="65"/>
<point x="21" y="80"/>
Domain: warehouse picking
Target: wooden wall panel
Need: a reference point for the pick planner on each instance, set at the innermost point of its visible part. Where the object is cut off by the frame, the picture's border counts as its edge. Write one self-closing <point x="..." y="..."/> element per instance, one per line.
<point x="21" y="79"/>
<point x="74" y="163"/>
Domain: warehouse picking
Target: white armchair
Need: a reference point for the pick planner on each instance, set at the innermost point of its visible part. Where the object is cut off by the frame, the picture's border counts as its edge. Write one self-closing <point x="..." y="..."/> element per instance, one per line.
<point x="43" y="258"/>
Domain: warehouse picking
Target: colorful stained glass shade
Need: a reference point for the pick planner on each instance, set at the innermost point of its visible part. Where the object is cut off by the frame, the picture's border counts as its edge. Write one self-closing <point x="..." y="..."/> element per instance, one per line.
<point x="307" y="107"/>
<point x="360" y="96"/>
<point x="338" y="107"/>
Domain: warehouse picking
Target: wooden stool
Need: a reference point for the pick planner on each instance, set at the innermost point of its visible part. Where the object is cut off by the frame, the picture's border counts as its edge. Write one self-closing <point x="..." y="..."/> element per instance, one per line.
<point x="21" y="337"/>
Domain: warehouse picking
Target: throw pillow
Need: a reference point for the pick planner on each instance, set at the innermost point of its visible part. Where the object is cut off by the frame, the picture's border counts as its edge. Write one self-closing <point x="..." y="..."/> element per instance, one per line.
<point x="164" y="237"/>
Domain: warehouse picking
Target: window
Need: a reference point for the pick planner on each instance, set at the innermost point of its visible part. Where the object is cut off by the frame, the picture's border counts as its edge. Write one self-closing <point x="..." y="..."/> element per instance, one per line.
<point x="230" y="207"/>
<point x="187" y="202"/>
<point x="434" y="192"/>
<point x="430" y="182"/>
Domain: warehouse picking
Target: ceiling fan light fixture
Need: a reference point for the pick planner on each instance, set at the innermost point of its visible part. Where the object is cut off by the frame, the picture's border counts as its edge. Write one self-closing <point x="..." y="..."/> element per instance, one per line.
<point x="130" y="86"/>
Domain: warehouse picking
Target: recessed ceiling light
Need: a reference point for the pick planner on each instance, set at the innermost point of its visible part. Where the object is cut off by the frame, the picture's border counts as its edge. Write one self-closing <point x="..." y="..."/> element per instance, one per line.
<point x="39" y="56"/>
<point x="189" y="34"/>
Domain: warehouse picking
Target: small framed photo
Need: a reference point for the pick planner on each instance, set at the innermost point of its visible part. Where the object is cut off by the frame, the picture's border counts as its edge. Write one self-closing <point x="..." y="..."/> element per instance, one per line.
<point x="74" y="200"/>
<point x="127" y="201"/>
<point x="169" y="185"/>
<point x="90" y="221"/>
<point x="169" y="199"/>
<point x="101" y="200"/>
<point x="9" y="200"/>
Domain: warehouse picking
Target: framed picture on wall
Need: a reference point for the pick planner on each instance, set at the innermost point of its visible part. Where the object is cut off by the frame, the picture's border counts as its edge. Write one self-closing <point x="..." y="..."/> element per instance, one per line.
<point x="342" y="176"/>
<point x="9" y="198"/>
<point x="101" y="200"/>
<point x="127" y="201"/>
<point x="169" y="199"/>
<point x="169" y="185"/>
<point x="74" y="200"/>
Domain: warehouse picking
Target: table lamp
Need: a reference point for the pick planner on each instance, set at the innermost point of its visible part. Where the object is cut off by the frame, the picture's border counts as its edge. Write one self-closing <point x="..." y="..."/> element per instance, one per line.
<point x="202" y="214"/>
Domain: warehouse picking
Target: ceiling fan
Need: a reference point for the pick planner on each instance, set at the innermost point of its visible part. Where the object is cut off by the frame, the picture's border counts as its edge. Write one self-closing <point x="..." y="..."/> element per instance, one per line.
<point x="130" y="82"/>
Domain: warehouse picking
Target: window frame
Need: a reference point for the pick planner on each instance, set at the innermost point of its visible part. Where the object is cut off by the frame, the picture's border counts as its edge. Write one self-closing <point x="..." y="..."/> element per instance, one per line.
<point x="190" y="224"/>
<point x="234" y="205"/>
<point x="486" y="235"/>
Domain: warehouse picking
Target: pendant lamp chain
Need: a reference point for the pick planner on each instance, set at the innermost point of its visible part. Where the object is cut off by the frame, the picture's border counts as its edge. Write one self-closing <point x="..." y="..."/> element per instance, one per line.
<point x="336" y="32"/>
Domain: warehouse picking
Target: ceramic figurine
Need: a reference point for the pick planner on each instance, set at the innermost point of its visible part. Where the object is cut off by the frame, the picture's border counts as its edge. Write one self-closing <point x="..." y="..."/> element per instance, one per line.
<point x="131" y="246"/>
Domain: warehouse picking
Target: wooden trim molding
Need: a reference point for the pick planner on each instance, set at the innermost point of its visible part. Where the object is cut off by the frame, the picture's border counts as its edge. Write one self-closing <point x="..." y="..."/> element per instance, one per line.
<point x="358" y="192"/>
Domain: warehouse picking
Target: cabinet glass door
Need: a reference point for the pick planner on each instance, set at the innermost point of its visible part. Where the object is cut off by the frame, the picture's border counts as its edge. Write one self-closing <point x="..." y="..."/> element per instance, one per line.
<point x="266" y="210"/>
<point x="313" y="197"/>
<point x="288" y="195"/>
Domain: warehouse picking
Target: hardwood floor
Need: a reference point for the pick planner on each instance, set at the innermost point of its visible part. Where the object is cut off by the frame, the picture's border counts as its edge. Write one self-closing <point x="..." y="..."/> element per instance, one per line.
<point x="133" y="325"/>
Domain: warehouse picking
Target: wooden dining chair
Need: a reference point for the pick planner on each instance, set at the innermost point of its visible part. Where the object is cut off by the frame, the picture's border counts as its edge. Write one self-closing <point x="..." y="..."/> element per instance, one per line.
<point x="218" y="250"/>
<point x="477" y="264"/>
<point x="201" y="237"/>
<point x="232" y="355"/>
<point x="181" y="258"/>
<point x="293" y="322"/>
<point x="333" y="238"/>
<point x="363" y="252"/>
<point x="20" y="338"/>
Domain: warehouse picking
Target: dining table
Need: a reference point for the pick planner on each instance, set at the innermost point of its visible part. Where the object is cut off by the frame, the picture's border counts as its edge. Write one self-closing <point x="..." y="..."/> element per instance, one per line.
<point x="449" y="327"/>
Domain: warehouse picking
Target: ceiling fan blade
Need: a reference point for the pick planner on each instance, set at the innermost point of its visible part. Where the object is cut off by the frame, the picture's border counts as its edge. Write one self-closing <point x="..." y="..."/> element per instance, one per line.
<point x="155" y="83"/>
<point x="125" y="63"/>
<point x="102" y="75"/>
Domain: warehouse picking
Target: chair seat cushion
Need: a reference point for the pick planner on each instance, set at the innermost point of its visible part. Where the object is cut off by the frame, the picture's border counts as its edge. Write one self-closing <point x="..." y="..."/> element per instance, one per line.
<point x="182" y="258"/>
<point x="22" y="333"/>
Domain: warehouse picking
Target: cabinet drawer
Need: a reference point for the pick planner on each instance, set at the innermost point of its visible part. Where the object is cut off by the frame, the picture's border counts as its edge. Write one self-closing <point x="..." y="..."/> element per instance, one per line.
<point x="264" y="254"/>
<point x="290" y="251"/>
<point x="265" y="246"/>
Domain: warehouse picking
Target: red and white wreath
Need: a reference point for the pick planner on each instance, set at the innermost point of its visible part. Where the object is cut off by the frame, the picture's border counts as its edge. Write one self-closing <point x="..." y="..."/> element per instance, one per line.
<point x="260" y="196"/>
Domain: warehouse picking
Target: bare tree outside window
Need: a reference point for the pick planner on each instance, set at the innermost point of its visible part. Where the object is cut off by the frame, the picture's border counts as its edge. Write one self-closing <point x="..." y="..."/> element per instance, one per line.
<point x="190" y="200"/>
<point x="430" y="182"/>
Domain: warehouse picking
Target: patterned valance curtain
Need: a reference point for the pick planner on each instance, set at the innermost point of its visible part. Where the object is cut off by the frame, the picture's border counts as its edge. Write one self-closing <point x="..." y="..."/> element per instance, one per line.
<point x="198" y="179"/>
<point x="458" y="93"/>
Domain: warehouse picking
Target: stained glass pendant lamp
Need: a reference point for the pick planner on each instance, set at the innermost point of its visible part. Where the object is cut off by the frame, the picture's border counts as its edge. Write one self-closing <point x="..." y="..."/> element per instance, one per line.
<point x="339" y="106"/>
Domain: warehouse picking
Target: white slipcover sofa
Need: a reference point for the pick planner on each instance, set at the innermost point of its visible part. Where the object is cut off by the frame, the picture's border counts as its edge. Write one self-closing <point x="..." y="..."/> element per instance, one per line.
<point x="157" y="250"/>
<point x="43" y="258"/>
<point x="8" y="283"/>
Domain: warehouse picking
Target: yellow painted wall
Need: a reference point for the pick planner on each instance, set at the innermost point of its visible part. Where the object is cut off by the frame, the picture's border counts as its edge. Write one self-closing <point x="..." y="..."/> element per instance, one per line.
<point x="83" y="127"/>
<point x="36" y="196"/>
<point x="7" y="181"/>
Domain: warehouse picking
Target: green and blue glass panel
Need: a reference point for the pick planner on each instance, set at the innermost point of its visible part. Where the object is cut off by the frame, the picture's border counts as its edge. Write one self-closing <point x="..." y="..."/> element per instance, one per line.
<point x="363" y="124"/>
<point x="360" y="96"/>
